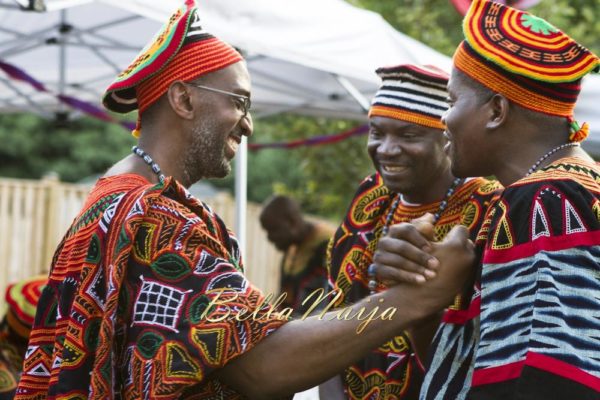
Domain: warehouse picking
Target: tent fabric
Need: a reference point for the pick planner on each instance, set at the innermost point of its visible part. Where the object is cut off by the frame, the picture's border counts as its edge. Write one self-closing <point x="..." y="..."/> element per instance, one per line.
<point x="302" y="56"/>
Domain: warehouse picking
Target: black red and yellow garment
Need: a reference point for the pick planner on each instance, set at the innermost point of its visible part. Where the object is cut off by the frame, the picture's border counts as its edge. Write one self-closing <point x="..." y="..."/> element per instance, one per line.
<point x="391" y="371"/>
<point x="531" y="332"/>
<point x="127" y="310"/>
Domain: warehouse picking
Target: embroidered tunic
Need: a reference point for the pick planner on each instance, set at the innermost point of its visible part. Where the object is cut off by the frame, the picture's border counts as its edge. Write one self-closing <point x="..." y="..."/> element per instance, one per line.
<point x="127" y="310"/>
<point x="532" y="330"/>
<point x="393" y="370"/>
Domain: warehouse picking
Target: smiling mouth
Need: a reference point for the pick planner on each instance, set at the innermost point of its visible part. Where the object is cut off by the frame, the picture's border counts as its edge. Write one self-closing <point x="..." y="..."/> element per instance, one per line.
<point x="233" y="144"/>
<point x="393" y="168"/>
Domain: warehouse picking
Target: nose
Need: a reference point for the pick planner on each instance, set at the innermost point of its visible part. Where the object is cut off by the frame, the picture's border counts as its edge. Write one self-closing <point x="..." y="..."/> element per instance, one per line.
<point x="247" y="125"/>
<point x="389" y="146"/>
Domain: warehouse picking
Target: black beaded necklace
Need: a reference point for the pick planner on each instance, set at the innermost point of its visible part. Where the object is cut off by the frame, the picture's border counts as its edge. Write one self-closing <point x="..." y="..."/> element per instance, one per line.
<point x="148" y="160"/>
<point x="388" y="221"/>
<point x="535" y="166"/>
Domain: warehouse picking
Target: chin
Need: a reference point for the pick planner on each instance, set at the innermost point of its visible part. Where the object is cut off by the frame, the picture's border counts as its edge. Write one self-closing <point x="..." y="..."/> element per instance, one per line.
<point x="398" y="187"/>
<point x="223" y="171"/>
<point x="460" y="171"/>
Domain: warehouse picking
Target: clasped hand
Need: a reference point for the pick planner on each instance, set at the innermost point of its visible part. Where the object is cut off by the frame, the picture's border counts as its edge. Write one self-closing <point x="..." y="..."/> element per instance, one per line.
<point x="408" y="254"/>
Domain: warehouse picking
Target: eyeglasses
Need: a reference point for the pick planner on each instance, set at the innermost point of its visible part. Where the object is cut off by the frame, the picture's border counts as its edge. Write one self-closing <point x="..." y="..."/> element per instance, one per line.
<point x="243" y="101"/>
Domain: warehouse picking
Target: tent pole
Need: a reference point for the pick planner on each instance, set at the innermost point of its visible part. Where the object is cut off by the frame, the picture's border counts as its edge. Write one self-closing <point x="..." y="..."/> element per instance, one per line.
<point x="241" y="194"/>
<point x="354" y="92"/>
<point x="62" y="62"/>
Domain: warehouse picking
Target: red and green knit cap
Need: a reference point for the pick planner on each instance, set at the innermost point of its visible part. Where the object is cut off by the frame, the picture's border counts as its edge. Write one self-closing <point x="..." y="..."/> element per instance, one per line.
<point x="412" y="93"/>
<point x="526" y="59"/>
<point x="22" y="299"/>
<point x="181" y="50"/>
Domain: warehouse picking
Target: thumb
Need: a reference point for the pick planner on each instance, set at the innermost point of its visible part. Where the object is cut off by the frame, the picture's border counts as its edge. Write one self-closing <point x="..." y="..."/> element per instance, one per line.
<point x="459" y="234"/>
<point x="424" y="225"/>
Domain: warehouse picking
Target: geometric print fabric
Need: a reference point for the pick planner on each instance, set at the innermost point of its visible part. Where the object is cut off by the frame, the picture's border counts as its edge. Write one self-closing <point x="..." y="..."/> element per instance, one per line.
<point x="129" y="317"/>
<point x="537" y="312"/>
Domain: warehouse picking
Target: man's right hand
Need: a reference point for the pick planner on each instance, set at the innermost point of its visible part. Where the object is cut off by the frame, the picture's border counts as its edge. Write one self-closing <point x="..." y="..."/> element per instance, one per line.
<point x="408" y="256"/>
<point x="404" y="254"/>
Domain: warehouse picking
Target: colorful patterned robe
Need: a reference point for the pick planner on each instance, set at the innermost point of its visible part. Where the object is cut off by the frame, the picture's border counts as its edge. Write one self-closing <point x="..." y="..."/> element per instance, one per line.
<point x="393" y="370"/>
<point x="21" y="302"/>
<point x="127" y="311"/>
<point x="532" y="332"/>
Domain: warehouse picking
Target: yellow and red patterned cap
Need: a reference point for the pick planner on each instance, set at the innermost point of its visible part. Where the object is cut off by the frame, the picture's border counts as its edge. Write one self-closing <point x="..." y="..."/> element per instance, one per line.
<point x="22" y="299"/>
<point x="525" y="58"/>
<point x="181" y="50"/>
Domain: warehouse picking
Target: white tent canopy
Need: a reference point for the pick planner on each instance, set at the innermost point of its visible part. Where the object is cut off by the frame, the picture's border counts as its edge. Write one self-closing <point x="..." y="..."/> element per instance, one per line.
<point x="313" y="57"/>
<point x="310" y="57"/>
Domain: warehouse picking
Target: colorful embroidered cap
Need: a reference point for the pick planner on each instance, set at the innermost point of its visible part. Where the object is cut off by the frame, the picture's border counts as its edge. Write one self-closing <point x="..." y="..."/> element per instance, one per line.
<point x="526" y="59"/>
<point x="181" y="50"/>
<point x="22" y="299"/>
<point x="412" y="93"/>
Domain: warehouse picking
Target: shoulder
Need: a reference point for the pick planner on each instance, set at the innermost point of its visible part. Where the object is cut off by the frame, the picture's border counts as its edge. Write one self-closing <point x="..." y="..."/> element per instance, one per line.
<point x="560" y="201"/>
<point x="481" y="188"/>
<point x="179" y="220"/>
<point x="477" y="194"/>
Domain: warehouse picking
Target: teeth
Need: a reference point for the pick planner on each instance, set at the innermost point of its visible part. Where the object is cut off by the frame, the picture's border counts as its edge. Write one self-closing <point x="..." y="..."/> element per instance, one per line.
<point x="390" y="168"/>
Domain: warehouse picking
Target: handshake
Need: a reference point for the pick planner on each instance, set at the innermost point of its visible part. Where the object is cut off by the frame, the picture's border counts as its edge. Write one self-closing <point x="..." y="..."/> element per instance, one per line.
<point x="408" y="255"/>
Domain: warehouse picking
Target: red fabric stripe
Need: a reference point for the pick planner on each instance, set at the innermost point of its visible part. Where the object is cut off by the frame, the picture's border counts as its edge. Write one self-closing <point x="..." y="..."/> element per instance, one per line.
<point x="502" y="373"/>
<point x="461" y="317"/>
<point x="563" y="369"/>
<point x="549" y="364"/>
<point x="553" y="243"/>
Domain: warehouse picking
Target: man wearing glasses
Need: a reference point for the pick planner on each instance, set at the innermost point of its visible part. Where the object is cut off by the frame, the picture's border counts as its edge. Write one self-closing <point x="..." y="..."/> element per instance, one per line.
<point x="146" y="296"/>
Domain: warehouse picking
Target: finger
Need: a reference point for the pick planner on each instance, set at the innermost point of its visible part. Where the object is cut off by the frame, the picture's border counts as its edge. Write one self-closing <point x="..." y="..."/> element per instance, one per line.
<point x="396" y="251"/>
<point x="409" y="233"/>
<point x="425" y="228"/>
<point x="399" y="262"/>
<point x="393" y="276"/>
<point x="459" y="234"/>
<point x="427" y="218"/>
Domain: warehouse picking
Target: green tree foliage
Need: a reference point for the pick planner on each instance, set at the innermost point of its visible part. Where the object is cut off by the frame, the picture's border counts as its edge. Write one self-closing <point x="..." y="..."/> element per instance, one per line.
<point x="438" y="24"/>
<point x="433" y="22"/>
<point x="33" y="147"/>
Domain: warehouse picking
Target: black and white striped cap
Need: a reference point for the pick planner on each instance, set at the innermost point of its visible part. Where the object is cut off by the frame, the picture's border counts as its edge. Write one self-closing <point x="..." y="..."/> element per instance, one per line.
<point x="412" y="93"/>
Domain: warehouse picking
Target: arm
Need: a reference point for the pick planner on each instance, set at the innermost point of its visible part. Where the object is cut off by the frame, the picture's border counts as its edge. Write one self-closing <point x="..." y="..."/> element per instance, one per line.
<point x="273" y="368"/>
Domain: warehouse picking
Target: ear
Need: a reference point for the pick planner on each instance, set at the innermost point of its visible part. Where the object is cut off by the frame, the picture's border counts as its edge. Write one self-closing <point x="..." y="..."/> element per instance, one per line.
<point x="180" y="100"/>
<point x="499" y="108"/>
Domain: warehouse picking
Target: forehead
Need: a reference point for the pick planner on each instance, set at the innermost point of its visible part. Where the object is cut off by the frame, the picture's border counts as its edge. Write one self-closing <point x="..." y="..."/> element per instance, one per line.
<point x="234" y="77"/>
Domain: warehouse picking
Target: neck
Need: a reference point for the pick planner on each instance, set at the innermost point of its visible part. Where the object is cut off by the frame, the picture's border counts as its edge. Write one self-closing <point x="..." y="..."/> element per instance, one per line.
<point x="307" y="229"/>
<point x="167" y="154"/>
<point x="536" y="158"/>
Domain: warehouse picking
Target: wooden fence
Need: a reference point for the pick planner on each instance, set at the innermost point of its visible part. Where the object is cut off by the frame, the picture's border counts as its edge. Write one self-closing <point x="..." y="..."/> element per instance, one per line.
<point x="34" y="215"/>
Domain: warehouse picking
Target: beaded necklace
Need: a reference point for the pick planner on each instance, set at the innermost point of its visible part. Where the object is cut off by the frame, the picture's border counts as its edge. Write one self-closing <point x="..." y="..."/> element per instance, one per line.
<point x="548" y="154"/>
<point x="388" y="221"/>
<point x="148" y="160"/>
